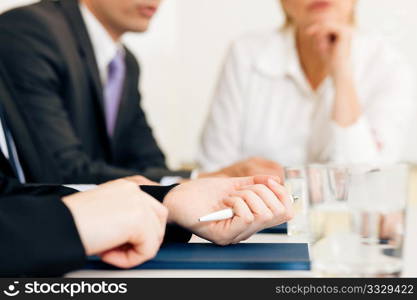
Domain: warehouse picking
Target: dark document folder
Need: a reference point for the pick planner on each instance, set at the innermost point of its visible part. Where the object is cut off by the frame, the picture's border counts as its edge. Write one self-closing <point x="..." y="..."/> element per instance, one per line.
<point x="281" y="229"/>
<point x="243" y="256"/>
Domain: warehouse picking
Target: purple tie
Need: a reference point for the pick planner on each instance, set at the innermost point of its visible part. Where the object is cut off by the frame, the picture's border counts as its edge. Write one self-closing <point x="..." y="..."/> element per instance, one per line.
<point x="113" y="90"/>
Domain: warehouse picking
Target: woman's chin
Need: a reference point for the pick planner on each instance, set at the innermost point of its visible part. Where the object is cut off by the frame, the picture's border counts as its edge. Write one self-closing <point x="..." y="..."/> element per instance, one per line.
<point x="323" y="18"/>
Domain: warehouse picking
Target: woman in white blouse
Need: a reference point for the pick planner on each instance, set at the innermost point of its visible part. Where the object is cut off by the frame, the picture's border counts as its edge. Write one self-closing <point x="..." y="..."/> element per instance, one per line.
<point x="316" y="90"/>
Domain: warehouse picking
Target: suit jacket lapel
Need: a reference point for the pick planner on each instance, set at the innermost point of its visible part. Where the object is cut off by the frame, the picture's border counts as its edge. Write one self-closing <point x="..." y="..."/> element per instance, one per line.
<point x="72" y="12"/>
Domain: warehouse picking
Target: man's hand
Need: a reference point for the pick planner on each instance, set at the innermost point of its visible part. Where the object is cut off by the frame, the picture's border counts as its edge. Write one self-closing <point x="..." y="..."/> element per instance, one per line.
<point x="249" y="167"/>
<point x="119" y="222"/>
<point x="258" y="202"/>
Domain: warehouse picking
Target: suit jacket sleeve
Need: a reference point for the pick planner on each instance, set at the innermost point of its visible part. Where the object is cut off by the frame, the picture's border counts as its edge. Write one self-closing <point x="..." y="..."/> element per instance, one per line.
<point x="38" y="237"/>
<point x="173" y="233"/>
<point x="36" y="70"/>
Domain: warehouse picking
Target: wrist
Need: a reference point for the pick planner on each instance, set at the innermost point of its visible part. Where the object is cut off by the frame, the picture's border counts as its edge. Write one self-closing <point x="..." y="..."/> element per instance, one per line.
<point x="342" y="73"/>
<point x="77" y="212"/>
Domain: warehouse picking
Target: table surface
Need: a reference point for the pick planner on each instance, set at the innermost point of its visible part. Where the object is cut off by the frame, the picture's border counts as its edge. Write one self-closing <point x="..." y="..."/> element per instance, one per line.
<point x="410" y="259"/>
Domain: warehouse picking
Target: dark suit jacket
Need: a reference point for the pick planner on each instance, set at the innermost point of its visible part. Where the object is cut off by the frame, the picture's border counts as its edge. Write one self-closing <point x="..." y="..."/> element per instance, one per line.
<point x="31" y="150"/>
<point x="38" y="236"/>
<point x="48" y="53"/>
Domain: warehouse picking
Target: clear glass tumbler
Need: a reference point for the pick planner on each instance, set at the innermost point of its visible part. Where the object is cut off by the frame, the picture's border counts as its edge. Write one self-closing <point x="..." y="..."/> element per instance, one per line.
<point x="357" y="218"/>
<point x="378" y="199"/>
<point x="296" y="182"/>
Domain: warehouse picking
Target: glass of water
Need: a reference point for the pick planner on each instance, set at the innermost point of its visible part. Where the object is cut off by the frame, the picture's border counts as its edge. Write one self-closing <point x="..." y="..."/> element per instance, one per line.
<point x="331" y="221"/>
<point x="329" y="212"/>
<point x="357" y="220"/>
<point x="378" y="199"/>
<point x="296" y="182"/>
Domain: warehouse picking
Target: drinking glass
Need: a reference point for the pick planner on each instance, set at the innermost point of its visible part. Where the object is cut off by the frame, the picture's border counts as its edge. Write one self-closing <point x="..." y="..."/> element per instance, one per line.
<point x="331" y="221"/>
<point x="378" y="199"/>
<point x="296" y="182"/>
<point x="357" y="220"/>
<point x="329" y="212"/>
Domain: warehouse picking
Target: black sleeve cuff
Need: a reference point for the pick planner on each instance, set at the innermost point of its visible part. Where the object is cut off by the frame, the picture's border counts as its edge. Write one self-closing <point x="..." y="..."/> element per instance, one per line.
<point x="39" y="237"/>
<point x="173" y="233"/>
<point x="156" y="174"/>
<point x="157" y="191"/>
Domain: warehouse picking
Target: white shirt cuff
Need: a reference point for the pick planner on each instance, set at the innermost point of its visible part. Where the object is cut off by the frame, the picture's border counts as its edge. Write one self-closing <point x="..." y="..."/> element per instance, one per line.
<point x="81" y="187"/>
<point x="354" y="144"/>
<point x="170" y="180"/>
<point x="194" y="174"/>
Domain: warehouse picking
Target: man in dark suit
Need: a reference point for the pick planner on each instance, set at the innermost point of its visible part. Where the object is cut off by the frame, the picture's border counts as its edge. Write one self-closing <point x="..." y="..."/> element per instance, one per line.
<point x="45" y="230"/>
<point x="77" y="86"/>
<point x="48" y="230"/>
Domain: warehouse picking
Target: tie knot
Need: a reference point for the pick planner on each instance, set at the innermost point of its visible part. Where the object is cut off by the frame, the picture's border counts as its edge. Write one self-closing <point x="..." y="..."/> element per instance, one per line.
<point x="117" y="63"/>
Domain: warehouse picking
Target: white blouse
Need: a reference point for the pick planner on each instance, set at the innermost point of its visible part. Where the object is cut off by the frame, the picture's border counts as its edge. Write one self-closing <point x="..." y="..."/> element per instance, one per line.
<point x="264" y="106"/>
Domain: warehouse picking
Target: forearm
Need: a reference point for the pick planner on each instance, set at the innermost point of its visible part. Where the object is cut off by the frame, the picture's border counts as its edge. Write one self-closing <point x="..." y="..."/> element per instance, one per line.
<point x="349" y="126"/>
<point x="346" y="107"/>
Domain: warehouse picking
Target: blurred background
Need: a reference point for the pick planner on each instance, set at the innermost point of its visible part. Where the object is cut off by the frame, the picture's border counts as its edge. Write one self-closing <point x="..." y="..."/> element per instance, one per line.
<point x="182" y="53"/>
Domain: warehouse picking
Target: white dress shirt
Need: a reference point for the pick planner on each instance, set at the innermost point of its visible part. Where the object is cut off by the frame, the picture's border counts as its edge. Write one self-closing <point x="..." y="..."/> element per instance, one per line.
<point x="264" y="106"/>
<point x="3" y="143"/>
<point x="104" y="47"/>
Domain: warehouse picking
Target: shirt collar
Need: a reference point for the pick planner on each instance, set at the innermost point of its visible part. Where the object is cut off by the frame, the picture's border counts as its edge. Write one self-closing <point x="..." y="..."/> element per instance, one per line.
<point x="104" y="47"/>
<point x="279" y="58"/>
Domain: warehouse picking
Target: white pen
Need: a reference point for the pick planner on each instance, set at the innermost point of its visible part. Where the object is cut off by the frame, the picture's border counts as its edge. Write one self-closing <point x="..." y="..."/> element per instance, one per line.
<point x="225" y="214"/>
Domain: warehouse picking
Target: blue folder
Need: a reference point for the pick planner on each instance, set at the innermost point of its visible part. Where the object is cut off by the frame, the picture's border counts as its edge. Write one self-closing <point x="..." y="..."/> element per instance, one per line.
<point x="281" y="229"/>
<point x="206" y="256"/>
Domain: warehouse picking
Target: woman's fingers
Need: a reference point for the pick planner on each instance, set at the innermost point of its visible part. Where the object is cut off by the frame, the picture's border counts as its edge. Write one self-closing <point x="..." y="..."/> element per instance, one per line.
<point x="226" y="231"/>
<point x="244" y="224"/>
<point x="240" y="209"/>
<point x="263" y="179"/>
<point x="286" y="199"/>
<point x="255" y="207"/>
<point x="270" y="199"/>
<point x="255" y="204"/>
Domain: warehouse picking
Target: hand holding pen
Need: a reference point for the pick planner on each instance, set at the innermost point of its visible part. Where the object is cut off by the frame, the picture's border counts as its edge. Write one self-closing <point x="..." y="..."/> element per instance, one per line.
<point x="255" y="203"/>
<point x="226" y="213"/>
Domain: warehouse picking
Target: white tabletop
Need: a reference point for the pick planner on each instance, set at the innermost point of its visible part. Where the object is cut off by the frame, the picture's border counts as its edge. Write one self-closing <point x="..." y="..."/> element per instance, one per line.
<point x="410" y="259"/>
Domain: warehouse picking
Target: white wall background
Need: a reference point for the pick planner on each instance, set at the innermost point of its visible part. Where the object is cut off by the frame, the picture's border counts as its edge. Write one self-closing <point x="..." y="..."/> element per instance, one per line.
<point x="184" y="48"/>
